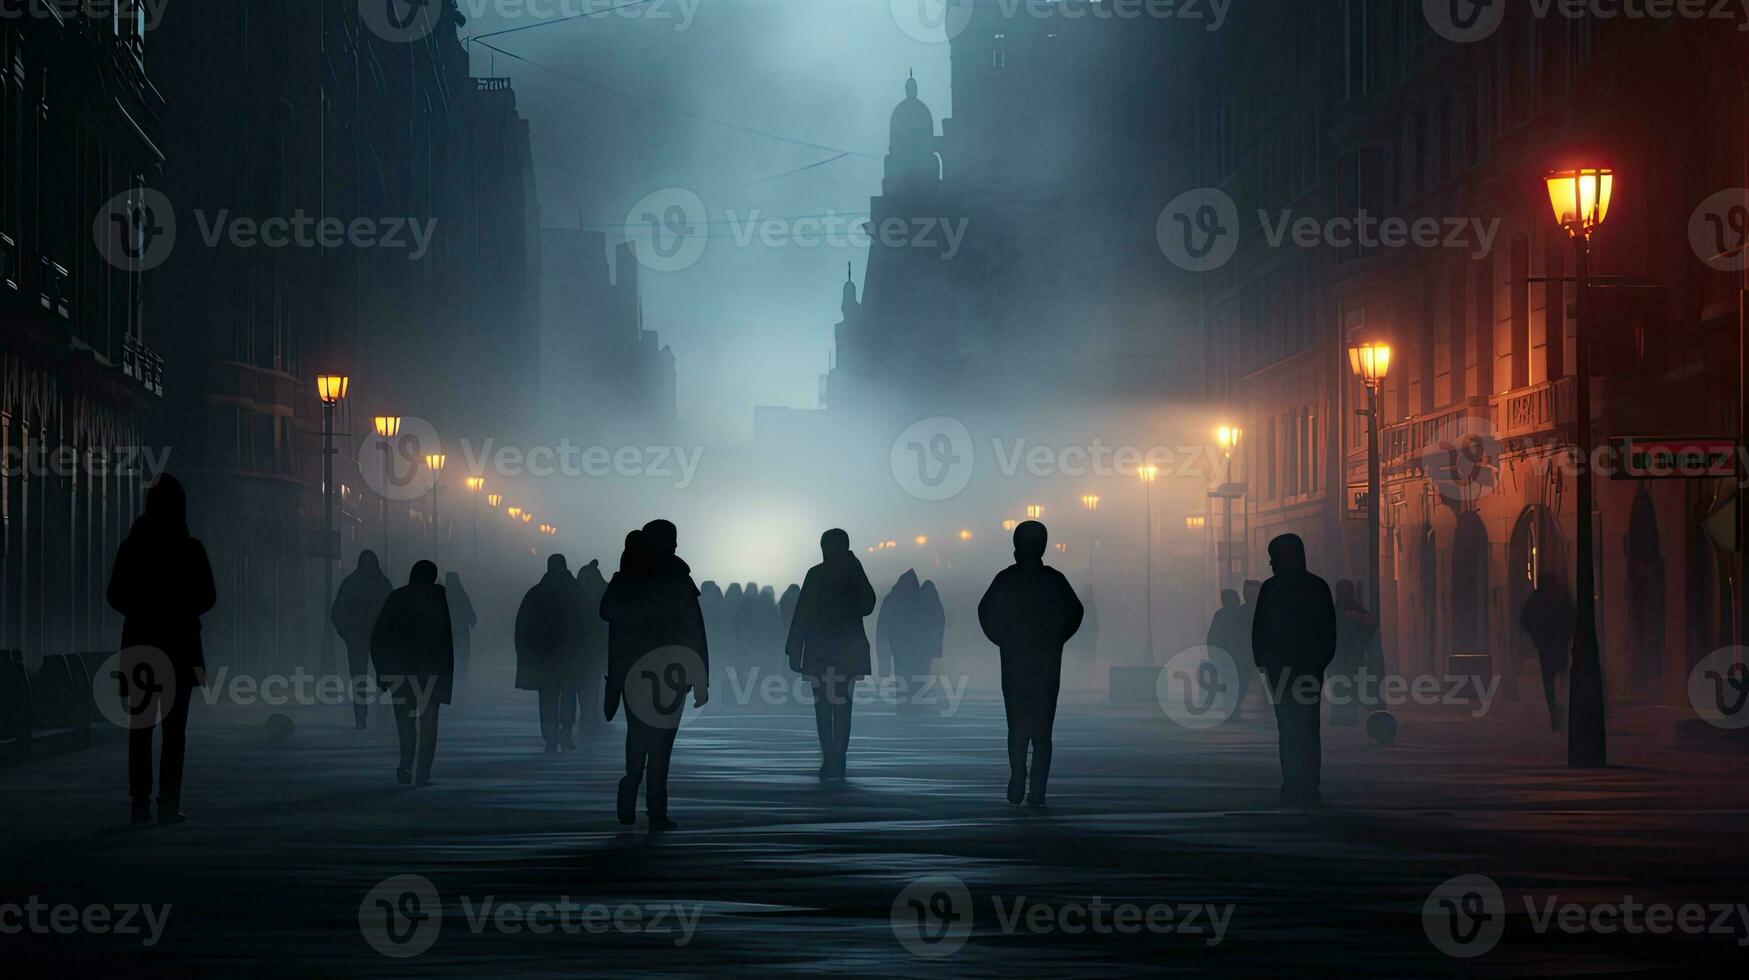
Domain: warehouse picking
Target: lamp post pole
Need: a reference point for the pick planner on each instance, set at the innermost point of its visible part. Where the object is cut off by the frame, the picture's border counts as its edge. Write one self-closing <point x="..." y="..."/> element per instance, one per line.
<point x="330" y="388"/>
<point x="1372" y="495"/>
<point x="1586" y="745"/>
<point x="1148" y="473"/>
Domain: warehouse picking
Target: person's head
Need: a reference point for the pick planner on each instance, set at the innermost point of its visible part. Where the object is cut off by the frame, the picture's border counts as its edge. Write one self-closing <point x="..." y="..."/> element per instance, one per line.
<point x="661" y="537"/>
<point x="929" y="586"/>
<point x="1229" y="599"/>
<point x="908" y="581"/>
<point x="556" y="565"/>
<point x="834" y="543"/>
<point x="733" y="592"/>
<point x="632" y="558"/>
<point x="367" y="561"/>
<point x="767" y="593"/>
<point x="1029" y="541"/>
<point x="1344" y="590"/>
<point x="167" y="502"/>
<point x="424" y="573"/>
<point x="1253" y="589"/>
<point x="452" y="580"/>
<point x="709" y="590"/>
<point x="1287" y="553"/>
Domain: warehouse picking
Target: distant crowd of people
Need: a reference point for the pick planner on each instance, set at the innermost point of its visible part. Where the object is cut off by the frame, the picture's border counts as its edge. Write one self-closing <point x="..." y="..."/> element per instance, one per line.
<point x="646" y="639"/>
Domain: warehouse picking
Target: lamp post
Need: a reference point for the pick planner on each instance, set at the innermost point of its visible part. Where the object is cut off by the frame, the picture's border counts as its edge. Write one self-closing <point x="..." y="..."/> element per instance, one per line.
<point x="387" y="427"/>
<point x="1371" y="362"/>
<point x="1228" y="437"/>
<point x="1580" y="199"/>
<point x="331" y="388"/>
<point x="434" y="462"/>
<point x="1148" y="473"/>
<point x="1090" y="503"/>
<point x="1034" y="511"/>
<point x="475" y="484"/>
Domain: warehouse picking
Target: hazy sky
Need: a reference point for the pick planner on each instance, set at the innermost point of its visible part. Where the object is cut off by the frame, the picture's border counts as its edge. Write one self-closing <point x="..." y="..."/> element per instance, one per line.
<point x="618" y="116"/>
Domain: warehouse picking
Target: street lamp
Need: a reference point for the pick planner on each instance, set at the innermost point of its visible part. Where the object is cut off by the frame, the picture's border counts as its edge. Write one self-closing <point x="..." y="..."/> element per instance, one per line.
<point x="331" y="388"/>
<point x="526" y="517"/>
<point x="1148" y="474"/>
<point x="1035" y="511"/>
<point x="965" y="534"/>
<point x="921" y="540"/>
<point x="494" y="499"/>
<point x="387" y="428"/>
<point x="1228" y="438"/>
<point x="434" y="462"/>
<point x="475" y="484"/>
<point x="1195" y="522"/>
<point x="1090" y="503"/>
<point x="1370" y="362"/>
<point x="1580" y="200"/>
<point x="1009" y="525"/>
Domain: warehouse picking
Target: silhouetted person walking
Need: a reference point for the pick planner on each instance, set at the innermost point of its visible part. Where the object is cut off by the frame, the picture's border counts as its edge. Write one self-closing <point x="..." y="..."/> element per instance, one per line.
<point x="786" y="608"/>
<point x="1029" y="612"/>
<point x="414" y="654"/>
<point x="161" y="584"/>
<point x="1293" y="635"/>
<point x="1230" y="632"/>
<point x="828" y="646"/>
<point x="896" y="627"/>
<point x="1246" y="658"/>
<point x="549" y="650"/>
<point x="357" y="603"/>
<point x="594" y="662"/>
<point x="1548" y="618"/>
<point x="462" y="621"/>
<point x="659" y="653"/>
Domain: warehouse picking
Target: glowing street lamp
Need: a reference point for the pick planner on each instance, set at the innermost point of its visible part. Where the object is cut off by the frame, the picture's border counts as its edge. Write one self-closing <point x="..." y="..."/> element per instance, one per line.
<point x="494" y="499"/>
<point x="1034" y="511"/>
<point x="515" y="513"/>
<point x="1228" y="437"/>
<point x="332" y="389"/>
<point x="1580" y="200"/>
<point x="1010" y="525"/>
<point x="1195" y="522"/>
<point x="475" y="484"/>
<point x="1148" y="474"/>
<point x="1090" y="504"/>
<point x="921" y="540"/>
<point x="526" y="517"/>
<point x="387" y="428"/>
<point x="965" y="534"/>
<point x="1371" y="361"/>
<point x="434" y="462"/>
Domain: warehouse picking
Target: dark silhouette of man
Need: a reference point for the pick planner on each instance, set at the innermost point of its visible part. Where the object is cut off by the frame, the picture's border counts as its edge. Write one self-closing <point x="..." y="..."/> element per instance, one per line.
<point x="549" y="650"/>
<point x="1548" y="617"/>
<point x="896" y="627"/>
<point x="828" y="645"/>
<point x="728" y="653"/>
<point x="786" y="608"/>
<point x="1030" y="611"/>
<point x="414" y="653"/>
<point x="1293" y="636"/>
<point x="931" y="627"/>
<point x="659" y="652"/>
<point x="717" y="623"/>
<point x="357" y="604"/>
<point x="594" y="660"/>
<point x="1244" y="657"/>
<point x="1229" y="632"/>
<point x="162" y="583"/>
<point x="462" y="621"/>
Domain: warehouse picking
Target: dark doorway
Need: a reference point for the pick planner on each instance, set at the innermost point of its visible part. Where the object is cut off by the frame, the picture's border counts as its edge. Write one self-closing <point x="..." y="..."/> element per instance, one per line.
<point x="1469" y="585"/>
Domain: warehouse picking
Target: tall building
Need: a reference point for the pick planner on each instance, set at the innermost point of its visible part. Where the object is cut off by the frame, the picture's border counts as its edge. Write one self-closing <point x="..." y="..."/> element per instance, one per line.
<point x="422" y="293"/>
<point x="79" y="125"/>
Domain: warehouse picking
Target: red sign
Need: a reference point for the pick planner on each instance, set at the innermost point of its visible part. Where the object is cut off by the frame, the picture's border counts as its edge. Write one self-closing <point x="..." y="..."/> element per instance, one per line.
<point x="1649" y="458"/>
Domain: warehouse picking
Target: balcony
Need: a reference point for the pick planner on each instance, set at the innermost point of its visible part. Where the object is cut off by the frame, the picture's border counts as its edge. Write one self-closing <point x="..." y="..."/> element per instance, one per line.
<point x="1536" y="410"/>
<point x="142" y="364"/>
<point x="1407" y="440"/>
<point x="56" y="288"/>
<point x="10" y="272"/>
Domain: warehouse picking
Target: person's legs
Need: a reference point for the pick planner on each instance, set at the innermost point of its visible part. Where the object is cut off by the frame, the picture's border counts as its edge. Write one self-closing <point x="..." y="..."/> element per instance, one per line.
<point x="140" y="765"/>
<point x="1551" y="685"/>
<point x="841" y="728"/>
<point x="175" y="742"/>
<point x="656" y="790"/>
<point x="428" y="715"/>
<point x="549" y="715"/>
<point x="404" y="730"/>
<point x="823" y="722"/>
<point x="358" y="660"/>
<point x="1018" y="733"/>
<point x="1042" y="724"/>
<point x="1302" y="752"/>
<point x="567" y="715"/>
<point x="637" y="749"/>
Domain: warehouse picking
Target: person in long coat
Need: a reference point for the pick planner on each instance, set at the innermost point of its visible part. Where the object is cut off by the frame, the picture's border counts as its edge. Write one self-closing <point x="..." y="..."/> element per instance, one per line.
<point x="1548" y="617"/>
<point x="828" y="646"/>
<point x="414" y="653"/>
<point x="462" y="621"/>
<point x="1230" y="632"/>
<point x="594" y="661"/>
<point x="162" y="583"/>
<point x="1293" y="637"/>
<point x="896" y="627"/>
<point x="357" y="604"/>
<point x="549" y="650"/>
<point x="786" y="607"/>
<point x="1030" y="611"/>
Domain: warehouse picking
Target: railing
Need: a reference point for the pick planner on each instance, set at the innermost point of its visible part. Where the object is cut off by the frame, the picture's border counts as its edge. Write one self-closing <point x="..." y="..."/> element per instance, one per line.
<point x="1539" y="408"/>
<point x="56" y="288"/>
<point x="10" y="273"/>
<point x="1408" y="439"/>
<point x="493" y="84"/>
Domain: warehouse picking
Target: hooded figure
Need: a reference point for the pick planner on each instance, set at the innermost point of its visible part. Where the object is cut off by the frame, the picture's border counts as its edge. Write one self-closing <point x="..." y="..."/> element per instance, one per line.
<point x="1293" y="637"/>
<point x="658" y="653"/>
<point x="896" y="628"/>
<point x="1548" y="618"/>
<point x="717" y="622"/>
<point x="162" y="584"/>
<point x="828" y="646"/>
<point x="771" y="628"/>
<point x="748" y="641"/>
<point x="414" y="652"/>
<point x="594" y="661"/>
<point x="357" y="604"/>
<point x="549" y="650"/>
<point x="786" y="607"/>
<point x="462" y="621"/>
<point x="728" y="653"/>
<point x="1230" y="633"/>
<point x="1029" y="612"/>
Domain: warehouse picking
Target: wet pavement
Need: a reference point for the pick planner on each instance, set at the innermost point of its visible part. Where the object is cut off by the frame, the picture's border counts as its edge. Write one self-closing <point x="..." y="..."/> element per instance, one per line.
<point x="1163" y="850"/>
